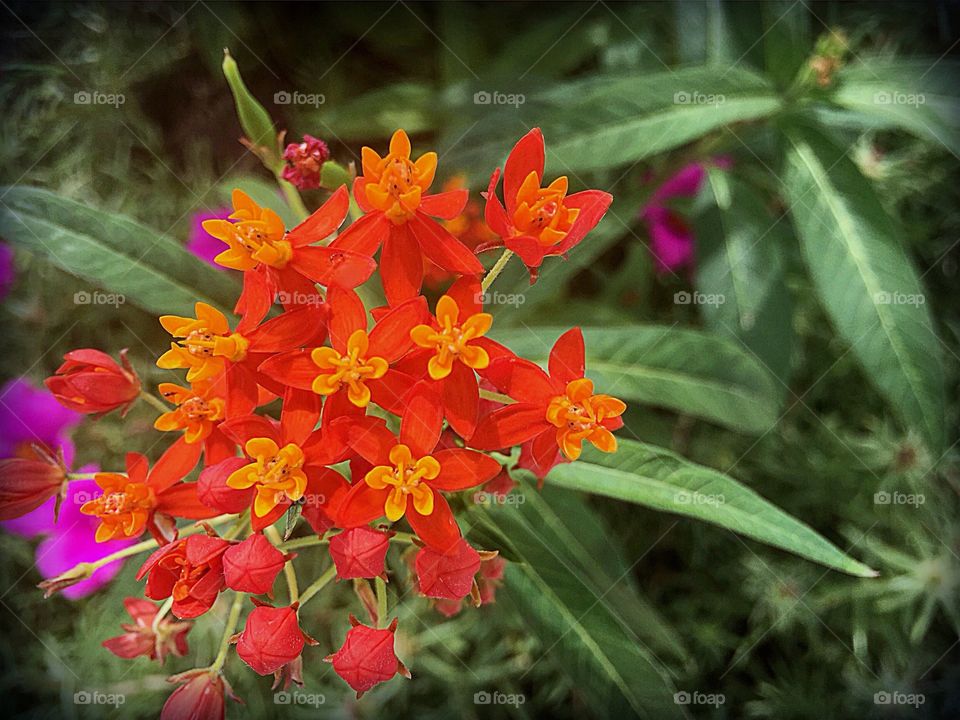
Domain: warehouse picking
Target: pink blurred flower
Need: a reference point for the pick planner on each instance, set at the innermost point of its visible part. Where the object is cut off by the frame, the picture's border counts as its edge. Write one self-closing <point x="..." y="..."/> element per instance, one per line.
<point x="672" y="242"/>
<point x="29" y="415"/>
<point x="201" y="243"/>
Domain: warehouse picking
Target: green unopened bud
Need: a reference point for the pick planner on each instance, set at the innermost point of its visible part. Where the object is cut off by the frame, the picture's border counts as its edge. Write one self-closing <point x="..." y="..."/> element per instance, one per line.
<point x="254" y="119"/>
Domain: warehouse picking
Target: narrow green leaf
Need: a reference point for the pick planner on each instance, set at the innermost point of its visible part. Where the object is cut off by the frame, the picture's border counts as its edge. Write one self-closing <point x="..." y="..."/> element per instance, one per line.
<point x="865" y="280"/>
<point x="661" y="480"/>
<point x="688" y="371"/>
<point x="113" y="252"/>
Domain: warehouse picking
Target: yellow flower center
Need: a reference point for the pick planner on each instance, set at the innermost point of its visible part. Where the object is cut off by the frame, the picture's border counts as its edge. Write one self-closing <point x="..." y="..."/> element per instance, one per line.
<point x="203" y="343"/>
<point x="540" y="212"/>
<point x="195" y="414"/>
<point x="269" y="248"/>
<point x="351" y="369"/>
<point x="452" y="340"/>
<point x="405" y="476"/>
<point x="276" y="473"/>
<point x="578" y="415"/>
<point x="123" y="509"/>
<point x="395" y="183"/>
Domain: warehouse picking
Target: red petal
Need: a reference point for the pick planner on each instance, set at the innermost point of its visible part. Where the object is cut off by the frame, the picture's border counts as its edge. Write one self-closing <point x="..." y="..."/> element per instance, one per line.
<point x="324" y="221"/>
<point x="347" y="314"/>
<point x="522" y="380"/>
<point x="567" y="357"/>
<point x="447" y="575"/>
<point x="401" y="265"/>
<point x="299" y="415"/>
<point x="439" y="529"/>
<point x="440" y="246"/>
<point x="527" y="249"/>
<point x="243" y="428"/>
<point x="390" y="337"/>
<point x="593" y="205"/>
<point x="294" y="369"/>
<point x="461" y="399"/>
<point x="214" y="492"/>
<point x="541" y="454"/>
<point x="333" y="266"/>
<point x="370" y="439"/>
<point x="509" y="426"/>
<point x="493" y="212"/>
<point x="183" y="501"/>
<point x="255" y="299"/>
<point x="445" y="205"/>
<point x="422" y="419"/>
<point x="527" y="155"/>
<point x="467" y="294"/>
<point x="305" y="326"/>
<point x="242" y="390"/>
<point x="461" y="469"/>
<point x="175" y="464"/>
<point x="390" y="391"/>
<point x="361" y="505"/>
<point x="365" y="234"/>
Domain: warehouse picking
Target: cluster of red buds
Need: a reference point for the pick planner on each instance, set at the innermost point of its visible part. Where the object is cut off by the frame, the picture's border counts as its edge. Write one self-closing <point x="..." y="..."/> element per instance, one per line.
<point x="379" y="421"/>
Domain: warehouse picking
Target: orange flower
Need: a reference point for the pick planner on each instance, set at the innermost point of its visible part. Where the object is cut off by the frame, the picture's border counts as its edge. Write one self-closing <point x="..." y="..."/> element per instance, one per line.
<point x="554" y="412"/>
<point x="196" y="414"/>
<point x="147" y="499"/>
<point x="399" y="216"/>
<point x="538" y="221"/>
<point x="274" y="260"/>
<point x="203" y="343"/>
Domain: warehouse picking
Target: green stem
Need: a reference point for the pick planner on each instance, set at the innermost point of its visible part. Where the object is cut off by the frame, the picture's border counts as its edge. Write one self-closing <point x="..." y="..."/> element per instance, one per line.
<point x="162" y="613"/>
<point x="154" y="401"/>
<point x="318" y="584"/>
<point x="381" y="602"/>
<point x="292" y="196"/>
<point x="496" y="397"/>
<point x="228" y="631"/>
<point x="238" y="526"/>
<point x="495" y="270"/>
<point x="289" y="572"/>
<point x="298" y="543"/>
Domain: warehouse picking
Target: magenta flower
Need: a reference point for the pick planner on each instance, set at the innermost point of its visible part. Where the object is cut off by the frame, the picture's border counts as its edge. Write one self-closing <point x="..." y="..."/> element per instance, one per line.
<point x="672" y="242"/>
<point x="29" y="416"/>
<point x="201" y="243"/>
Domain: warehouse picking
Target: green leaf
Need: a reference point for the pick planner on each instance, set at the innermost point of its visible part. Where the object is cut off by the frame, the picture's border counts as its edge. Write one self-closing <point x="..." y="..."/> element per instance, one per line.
<point x="865" y="280"/>
<point x="254" y="119"/>
<point x="661" y="480"/>
<point x="741" y="250"/>
<point x="580" y="627"/>
<point x="113" y="252"/>
<point x="687" y="371"/>
<point x="917" y="95"/>
<point x="378" y="113"/>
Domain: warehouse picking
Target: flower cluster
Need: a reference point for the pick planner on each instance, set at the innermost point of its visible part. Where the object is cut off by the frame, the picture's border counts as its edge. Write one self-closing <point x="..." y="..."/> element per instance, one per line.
<point x="381" y="417"/>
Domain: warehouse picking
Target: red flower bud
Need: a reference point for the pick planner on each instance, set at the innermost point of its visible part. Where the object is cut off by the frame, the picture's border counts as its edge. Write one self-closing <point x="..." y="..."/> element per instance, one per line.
<point x="359" y="552"/>
<point x="213" y="491"/>
<point x="447" y="575"/>
<point x="191" y="570"/>
<point x="271" y="638"/>
<point x="201" y="697"/>
<point x="366" y="657"/>
<point x="304" y="161"/>
<point x="90" y="381"/>
<point x="252" y="565"/>
<point x="140" y="637"/>
<point x="27" y="484"/>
